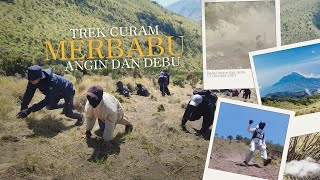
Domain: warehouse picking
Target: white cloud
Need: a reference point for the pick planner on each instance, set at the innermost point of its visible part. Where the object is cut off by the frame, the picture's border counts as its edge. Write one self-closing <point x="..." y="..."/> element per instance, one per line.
<point x="310" y="75"/>
<point x="302" y="168"/>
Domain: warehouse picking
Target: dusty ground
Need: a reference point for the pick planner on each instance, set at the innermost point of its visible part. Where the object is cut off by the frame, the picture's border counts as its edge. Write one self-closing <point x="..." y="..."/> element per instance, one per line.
<point x="228" y="157"/>
<point x="47" y="145"/>
<point x="235" y="28"/>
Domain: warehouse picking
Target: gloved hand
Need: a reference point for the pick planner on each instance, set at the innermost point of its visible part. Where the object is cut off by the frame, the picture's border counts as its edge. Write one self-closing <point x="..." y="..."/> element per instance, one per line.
<point x="23" y="113"/>
<point x="251" y="121"/>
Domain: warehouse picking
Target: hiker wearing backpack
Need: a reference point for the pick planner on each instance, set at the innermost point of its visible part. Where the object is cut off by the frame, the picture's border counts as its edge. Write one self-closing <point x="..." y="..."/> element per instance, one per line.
<point x="163" y="83"/>
<point x="142" y="90"/>
<point x="107" y="110"/>
<point x="246" y="93"/>
<point x="257" y="142"/>
<point x="54" y="87"/>
<point x="166" y="74"/>
<point x="202" y="104"/>
<point x="122" y="90"/>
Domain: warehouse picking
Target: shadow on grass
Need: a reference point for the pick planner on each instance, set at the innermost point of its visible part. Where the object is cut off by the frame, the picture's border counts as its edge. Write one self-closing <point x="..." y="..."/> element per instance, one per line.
<point x="101" y="153"/>
<point x="46" y="127"/>
<point x="205" y="136"/>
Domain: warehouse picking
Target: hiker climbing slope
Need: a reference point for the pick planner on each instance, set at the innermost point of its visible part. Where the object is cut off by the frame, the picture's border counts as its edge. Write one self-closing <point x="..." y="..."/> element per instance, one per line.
<point x="163" y="83"/>
<point x="122" y="90"/>
<point x="107" y="110"/>
<point x="202" y="104"/>
<point x="257" y="142"/>
<point x="142" y="90"/>
<point x="54" y="87"/>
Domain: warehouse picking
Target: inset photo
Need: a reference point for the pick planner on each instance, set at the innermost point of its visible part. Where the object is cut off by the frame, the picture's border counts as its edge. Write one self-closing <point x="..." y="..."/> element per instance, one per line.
<point x="303" y="161"/>
<point x="248" y="140"/>
<point x="230" y="30"/>
<point x="289" y="77"/>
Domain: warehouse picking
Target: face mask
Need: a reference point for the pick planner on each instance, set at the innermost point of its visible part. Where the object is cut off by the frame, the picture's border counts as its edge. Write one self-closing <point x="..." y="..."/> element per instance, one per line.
<point x="93" y="101"/>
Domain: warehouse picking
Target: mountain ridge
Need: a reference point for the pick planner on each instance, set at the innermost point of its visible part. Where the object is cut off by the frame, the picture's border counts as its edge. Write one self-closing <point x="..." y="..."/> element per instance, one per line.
<point x="292" y="83"/>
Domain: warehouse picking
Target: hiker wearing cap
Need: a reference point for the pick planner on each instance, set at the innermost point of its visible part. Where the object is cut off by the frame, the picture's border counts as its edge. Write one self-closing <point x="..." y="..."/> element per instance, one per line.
<point x="107" y="109"/>
<point x="163" y="82"/>
<point x="202" y="104"/>
<point x="257" y="142"/>
<point x="54" y="87"/>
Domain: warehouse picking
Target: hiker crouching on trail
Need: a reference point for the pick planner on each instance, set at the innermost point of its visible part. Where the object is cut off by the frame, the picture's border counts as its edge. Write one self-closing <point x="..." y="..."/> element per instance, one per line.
<point x="54" y="87"/>
<point x="201" y="105"/>
<point x="142" y="90"/>
<point x="109" y="112"/>
<point x="122" y="90"/>
<point x="257" y="142"/>
<point x="163" y="82"/>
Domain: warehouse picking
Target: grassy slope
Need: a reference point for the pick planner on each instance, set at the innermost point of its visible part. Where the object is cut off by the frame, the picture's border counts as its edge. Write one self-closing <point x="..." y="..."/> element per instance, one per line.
<point x="27" y="24"/>
<point x="300" y="106"/>
<point x="50" y="146"/>
<point x="227" y="156"/>
<point x="297" y="20"/>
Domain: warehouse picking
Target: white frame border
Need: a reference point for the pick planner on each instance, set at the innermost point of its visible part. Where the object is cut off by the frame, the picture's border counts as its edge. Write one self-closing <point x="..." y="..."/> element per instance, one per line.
<point x="231" y="175"/>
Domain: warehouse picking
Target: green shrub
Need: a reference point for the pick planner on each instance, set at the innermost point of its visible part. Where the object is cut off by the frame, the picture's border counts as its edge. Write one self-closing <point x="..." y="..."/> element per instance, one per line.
<point x="11" y="66"/>
<point x="130" y="87"/>
<point x="179" y="81"/>
<point x="57" y="69"/>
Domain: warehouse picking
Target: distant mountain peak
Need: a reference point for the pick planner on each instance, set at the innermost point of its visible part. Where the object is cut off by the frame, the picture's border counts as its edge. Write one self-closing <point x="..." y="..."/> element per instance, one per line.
<point x="292" y="83"/>
<point x="294" y="76"/>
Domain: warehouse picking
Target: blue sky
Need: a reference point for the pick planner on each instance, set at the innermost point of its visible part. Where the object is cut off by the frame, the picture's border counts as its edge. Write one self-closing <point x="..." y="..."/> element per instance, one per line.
<point x="271" y="67"/>
<point x="234" y="119"/>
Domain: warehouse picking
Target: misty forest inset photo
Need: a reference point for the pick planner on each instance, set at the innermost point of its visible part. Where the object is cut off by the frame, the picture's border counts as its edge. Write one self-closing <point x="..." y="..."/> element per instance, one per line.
<point x="233" y="29"/>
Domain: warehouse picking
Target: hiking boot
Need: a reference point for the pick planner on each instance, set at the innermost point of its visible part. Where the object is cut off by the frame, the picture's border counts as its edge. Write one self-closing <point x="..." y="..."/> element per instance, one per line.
<point x="129" y="128"/>
<point x="183" y="127"/>
<point x="98" y="132"/>
<point x="79" y="121"/>
<point x="266" y="162"/>
<point x="88" y="134"/>
<point x="204" y="132"/>
<point x="245" y="163"/>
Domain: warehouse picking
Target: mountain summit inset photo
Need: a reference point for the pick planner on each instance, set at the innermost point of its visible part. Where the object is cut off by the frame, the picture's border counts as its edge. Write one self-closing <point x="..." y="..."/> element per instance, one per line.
<point x="289" y="77"/>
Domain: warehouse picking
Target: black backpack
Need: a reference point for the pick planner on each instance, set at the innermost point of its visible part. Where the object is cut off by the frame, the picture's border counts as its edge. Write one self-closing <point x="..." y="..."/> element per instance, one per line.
<point x="206" y="94"/>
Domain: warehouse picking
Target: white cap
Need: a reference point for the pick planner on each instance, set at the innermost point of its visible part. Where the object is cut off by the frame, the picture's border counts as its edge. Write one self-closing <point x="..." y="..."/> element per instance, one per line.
<point x="196" y="100"/>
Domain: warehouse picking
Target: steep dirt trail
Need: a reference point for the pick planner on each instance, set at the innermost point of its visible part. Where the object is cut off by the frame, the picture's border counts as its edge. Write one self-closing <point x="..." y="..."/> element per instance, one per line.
<point x="229" y="157"/>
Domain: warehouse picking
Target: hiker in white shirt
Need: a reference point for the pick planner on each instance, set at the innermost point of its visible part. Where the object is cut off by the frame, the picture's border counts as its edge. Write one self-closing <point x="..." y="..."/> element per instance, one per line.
<point x="257" y="142"/>
<point x="107" y="110"/>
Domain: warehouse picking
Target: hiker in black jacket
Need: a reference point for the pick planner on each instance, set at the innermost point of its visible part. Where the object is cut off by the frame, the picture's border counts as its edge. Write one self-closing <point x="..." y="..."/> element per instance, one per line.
<point x="202" y="104"/>
<point x="122" y="90"/>
<point x="142" y="90"/>
<point x="246" y="93"/>
<point x="163" y="82"/>
<point x="54" y="87"/>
